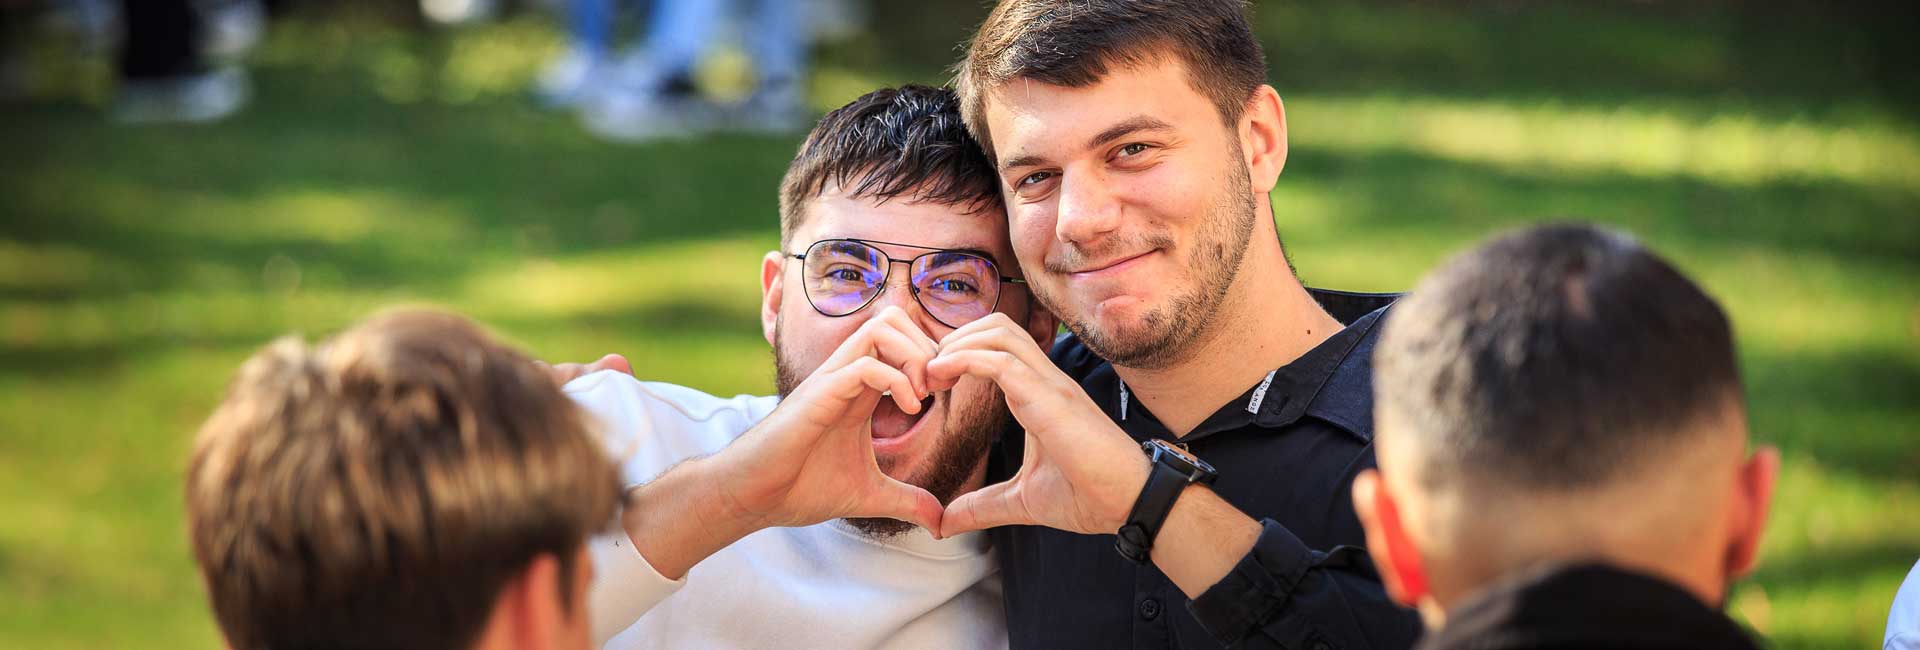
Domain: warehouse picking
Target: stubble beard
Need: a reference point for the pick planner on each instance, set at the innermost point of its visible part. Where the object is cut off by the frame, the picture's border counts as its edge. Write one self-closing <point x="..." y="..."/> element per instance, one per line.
<point x="967" y="434"/>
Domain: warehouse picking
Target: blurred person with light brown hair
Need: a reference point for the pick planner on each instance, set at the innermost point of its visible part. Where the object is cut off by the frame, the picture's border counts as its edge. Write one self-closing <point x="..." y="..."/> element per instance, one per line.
<point x="409" y="483"/>
<point x="1563" y="451"/>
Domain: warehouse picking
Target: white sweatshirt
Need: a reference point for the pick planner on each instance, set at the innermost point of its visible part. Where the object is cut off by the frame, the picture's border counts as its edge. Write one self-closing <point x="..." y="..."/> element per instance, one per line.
<point x="821" y="586"/>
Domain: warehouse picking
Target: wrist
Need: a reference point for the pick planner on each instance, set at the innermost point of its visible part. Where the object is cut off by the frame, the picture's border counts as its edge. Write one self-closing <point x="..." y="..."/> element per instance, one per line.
<point x="1171" y="471"/>
<point x="719" y="503"/>
<point x="680" y="518"/>
<point x="1134" y="471"/>
<point x="1202" y="540"/>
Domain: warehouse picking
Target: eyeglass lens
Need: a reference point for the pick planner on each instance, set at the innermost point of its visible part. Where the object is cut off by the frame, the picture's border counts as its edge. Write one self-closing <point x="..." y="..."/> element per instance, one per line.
<point x="956" y="288"/>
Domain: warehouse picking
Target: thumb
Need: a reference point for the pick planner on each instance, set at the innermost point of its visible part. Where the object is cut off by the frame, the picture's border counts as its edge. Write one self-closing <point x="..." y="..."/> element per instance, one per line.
<point x="987" y="507"/>
<point x="905" y="502"/>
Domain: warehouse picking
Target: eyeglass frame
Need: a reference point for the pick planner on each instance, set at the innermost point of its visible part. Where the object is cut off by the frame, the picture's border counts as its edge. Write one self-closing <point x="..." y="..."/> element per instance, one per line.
<point x="911" y="287"/>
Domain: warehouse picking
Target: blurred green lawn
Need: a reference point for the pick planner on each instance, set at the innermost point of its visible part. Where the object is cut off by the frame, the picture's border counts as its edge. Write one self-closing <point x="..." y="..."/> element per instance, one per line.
<point x="1767" y="155"/>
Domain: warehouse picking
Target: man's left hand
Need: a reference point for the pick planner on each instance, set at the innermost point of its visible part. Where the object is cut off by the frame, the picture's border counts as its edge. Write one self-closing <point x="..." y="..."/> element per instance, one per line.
<point x="1081" y="473"/>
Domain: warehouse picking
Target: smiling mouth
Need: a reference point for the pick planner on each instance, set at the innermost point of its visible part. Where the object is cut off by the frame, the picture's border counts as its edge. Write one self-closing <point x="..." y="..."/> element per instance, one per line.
<point x="1111" y="266"/>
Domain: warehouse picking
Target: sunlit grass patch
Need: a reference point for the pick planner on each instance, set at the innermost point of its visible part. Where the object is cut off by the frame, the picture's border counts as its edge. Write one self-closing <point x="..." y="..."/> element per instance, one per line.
<point x="1639" y="140"/>
<point x="722" y="275"/>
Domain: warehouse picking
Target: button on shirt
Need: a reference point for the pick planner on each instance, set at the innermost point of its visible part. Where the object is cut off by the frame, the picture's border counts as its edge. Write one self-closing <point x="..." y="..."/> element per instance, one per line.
<point x="1287" y="451"/>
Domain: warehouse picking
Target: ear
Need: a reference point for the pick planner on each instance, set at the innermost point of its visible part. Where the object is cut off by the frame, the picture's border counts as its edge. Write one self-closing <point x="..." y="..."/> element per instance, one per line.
<point x="772" y="279"/>
<point x="1753" y="501"/>
<point x="1393" y="552"/>
<point x="1263" y="139"/>
<point x="1041" y="323"/>
<point x="528" y="613"/>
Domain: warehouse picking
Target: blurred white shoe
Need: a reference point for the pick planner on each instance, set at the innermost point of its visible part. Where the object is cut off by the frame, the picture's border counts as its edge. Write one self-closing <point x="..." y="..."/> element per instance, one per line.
<point x="205" y="97"/>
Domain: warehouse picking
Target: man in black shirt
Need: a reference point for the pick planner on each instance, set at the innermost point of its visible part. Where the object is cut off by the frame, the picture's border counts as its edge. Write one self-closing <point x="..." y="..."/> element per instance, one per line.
<point x="1136" y="143"/>
<point x="1563" y="451"/>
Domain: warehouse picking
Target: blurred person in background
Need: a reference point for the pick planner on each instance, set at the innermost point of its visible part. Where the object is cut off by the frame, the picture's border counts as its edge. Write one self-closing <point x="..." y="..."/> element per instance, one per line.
<point x="1563" y="451"/>
<point x="177" y="63"/>
<point x="409" y="483"/>
<point x="654" y="94"/>
<point x="805" y="519"/>
<point x="585" y="67"/>
<point x="1903" y="621"/>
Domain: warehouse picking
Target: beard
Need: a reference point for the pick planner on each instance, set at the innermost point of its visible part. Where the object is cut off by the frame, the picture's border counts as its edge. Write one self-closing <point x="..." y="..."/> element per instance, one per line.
<point x="966" y="434"/>
<point x="1165" y="334"/>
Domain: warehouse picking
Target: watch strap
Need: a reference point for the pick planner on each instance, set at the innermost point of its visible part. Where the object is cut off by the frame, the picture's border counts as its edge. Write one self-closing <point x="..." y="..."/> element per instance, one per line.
<point x="1164" y="485"/>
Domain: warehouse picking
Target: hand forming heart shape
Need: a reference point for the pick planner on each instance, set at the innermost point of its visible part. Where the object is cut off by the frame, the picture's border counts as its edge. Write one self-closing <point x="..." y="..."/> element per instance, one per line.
<point x="1079" y="471"/>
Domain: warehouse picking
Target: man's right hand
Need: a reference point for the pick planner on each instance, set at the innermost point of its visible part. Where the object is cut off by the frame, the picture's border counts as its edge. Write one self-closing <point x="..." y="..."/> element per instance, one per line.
<point x="809" y="461"/>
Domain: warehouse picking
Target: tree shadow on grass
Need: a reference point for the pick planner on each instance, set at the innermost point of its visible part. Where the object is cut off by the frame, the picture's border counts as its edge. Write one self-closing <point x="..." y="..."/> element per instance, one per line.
<point x="1854" y="411"/>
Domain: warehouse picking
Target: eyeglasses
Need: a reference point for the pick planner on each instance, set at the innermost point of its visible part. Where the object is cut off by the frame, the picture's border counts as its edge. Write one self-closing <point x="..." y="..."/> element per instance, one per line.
<point x="843" y="276"/>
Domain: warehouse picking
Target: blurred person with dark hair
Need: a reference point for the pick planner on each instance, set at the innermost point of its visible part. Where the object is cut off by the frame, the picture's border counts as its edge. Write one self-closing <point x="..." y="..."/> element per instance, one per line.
<point x="409" y="483"/>
<point x="1184" y="478"/>
<point x="171" y="63"/>
<point x="892" y="236"/>
<point x="654" y="95"/>
<point x="1563" y="451"/>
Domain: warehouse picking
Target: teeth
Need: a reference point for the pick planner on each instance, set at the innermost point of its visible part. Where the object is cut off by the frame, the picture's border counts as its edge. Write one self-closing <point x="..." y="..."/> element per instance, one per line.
<point x="886" y="393"/>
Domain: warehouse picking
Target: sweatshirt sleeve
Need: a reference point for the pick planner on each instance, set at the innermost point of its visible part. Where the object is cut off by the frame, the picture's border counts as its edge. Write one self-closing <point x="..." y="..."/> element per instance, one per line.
<point x="624" y="586"/>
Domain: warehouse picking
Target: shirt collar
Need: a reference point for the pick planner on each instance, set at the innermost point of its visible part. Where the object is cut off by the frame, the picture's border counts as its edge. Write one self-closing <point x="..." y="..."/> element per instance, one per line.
<point x="1253" y="400"/>
<point x="1332" y="382"/>
<point x="1553" y="606"/>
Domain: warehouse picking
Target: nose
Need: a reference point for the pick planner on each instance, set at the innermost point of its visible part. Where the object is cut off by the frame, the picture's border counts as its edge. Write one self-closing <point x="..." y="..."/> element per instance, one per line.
<point x="1087" y="209"/>
<point x="898" y="292"/>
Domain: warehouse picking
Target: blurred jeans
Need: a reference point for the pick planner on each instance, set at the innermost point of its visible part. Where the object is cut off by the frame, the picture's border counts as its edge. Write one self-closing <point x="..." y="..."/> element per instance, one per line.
<point x="590" y="24"/>
<point x="681" y="30"/>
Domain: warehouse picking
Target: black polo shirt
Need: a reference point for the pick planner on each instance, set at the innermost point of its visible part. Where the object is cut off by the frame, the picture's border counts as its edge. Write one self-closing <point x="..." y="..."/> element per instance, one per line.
<point x="1287" y="451"/>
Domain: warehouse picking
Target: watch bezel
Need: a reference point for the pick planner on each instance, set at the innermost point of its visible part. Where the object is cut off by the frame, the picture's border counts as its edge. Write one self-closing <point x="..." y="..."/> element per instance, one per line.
<point x="1197" y="470"/>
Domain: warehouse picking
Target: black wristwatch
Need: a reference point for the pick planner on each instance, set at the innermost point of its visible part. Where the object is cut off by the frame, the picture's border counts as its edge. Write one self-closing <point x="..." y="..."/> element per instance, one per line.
<point x="1172" y="470"/>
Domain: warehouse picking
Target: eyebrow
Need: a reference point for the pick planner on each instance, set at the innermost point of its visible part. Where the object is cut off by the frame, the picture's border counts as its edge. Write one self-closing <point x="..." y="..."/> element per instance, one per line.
<point x="932" y="249"/>
<point x="1017" y="162"/>
<point x="1129" y="126"/>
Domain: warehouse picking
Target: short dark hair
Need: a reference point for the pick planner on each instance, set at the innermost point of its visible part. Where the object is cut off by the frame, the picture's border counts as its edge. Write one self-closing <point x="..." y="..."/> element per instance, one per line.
<point x="1555" y="357"/>
<point x="1074" y="43"/>
<point x="380" y="489"/>
<point x="892" y="142"/>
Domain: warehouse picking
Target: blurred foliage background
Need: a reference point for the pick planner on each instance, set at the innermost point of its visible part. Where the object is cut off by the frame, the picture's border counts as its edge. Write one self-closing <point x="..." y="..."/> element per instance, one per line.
<point x="1773" y="152"/>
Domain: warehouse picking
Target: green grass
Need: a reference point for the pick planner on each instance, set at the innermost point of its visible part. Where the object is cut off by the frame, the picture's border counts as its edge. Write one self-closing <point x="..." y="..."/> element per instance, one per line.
<point x="138" y="266"/>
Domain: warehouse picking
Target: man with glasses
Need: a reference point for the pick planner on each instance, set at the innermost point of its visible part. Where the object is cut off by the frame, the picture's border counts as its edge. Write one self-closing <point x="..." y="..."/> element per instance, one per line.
<point x="804" y="520"/>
